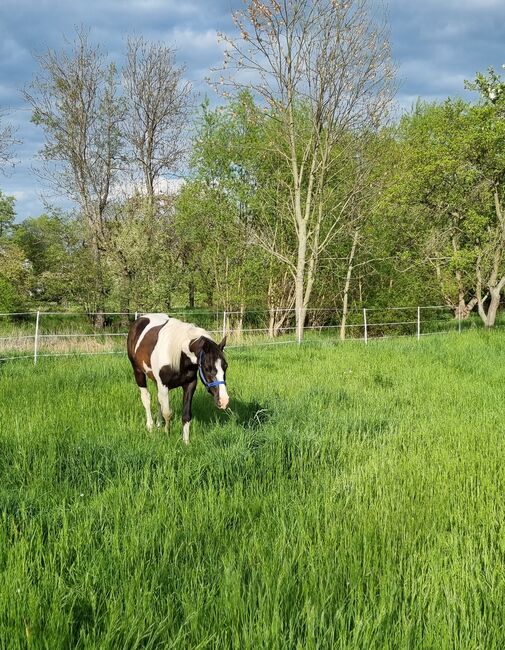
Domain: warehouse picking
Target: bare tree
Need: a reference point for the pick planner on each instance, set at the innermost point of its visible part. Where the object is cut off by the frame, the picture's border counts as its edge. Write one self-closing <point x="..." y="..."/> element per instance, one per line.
<point x="74" y="99"/>
<point x="158" y="102"/>
<point x="322" y="69"/>
<point x="7" y="141"/>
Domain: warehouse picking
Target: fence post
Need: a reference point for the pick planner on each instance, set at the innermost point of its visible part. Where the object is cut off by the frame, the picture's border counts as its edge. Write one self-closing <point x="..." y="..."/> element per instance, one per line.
<point x="224" y="324"/>
<point x="136" y="315"/>
<point x="418" y="323"/>
<point x="365" y="324"/>
<point x="299" y="325"/>
<point x="36" y="340"/>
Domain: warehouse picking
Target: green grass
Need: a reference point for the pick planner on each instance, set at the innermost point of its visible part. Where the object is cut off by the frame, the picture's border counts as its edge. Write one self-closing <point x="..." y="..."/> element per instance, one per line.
<point x="354" y="499"/>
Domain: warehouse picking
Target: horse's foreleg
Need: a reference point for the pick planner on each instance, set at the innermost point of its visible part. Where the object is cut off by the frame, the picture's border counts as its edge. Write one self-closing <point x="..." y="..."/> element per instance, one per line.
<point x="164" y="405"/>
<point x="159" y="417"/>
<point x="146" y="401"/>
<point x="141" y="380"/>
<point x="189" y="391"/>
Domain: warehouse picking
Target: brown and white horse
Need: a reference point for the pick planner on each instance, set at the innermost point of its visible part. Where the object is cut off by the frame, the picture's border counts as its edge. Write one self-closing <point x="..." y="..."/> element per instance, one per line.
<point x="173" y="354"/>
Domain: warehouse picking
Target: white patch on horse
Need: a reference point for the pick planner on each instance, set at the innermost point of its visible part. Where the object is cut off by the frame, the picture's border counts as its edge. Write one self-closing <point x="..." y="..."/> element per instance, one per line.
<point x="185" y="433"/>
<point x="146" y="367"/>
<point x="155" y="320"/>
<point x="146" y="401"/>
<point x="223" y="393"/>
<point x="173" y="340"/>
<point x="164" y="404"/>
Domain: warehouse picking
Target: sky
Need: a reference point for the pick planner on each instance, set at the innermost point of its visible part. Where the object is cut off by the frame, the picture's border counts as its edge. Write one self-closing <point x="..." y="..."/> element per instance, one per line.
<point x="436" y="44"/>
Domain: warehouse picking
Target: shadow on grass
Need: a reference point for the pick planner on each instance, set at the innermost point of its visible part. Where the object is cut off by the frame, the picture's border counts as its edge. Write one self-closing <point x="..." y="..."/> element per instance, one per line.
<point x="248" y="415"/>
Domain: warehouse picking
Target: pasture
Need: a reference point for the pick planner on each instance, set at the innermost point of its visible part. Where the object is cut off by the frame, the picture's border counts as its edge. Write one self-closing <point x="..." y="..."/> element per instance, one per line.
<point x="353" y="498"/>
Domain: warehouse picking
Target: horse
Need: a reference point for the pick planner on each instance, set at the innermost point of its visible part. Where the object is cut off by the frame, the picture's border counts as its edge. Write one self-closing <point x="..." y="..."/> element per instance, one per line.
<point x="174" y="354"/>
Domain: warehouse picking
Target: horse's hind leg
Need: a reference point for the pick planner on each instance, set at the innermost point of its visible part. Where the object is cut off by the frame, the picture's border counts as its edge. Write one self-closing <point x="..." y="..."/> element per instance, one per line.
<point x="164" y="405"/>
<point x="141" y="380"/>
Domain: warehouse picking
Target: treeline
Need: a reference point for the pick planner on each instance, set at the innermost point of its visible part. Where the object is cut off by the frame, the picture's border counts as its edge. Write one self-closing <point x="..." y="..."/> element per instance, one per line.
<point x="300" y="192"/>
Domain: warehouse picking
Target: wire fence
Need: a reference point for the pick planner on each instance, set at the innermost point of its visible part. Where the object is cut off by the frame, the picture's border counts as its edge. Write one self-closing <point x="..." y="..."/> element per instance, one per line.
<point x="37" y="334"/>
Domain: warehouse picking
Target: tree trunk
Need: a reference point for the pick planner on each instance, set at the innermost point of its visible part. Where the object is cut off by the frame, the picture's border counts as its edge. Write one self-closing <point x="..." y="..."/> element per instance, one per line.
<point x="124" y="304"/>
<point x="494" y="303"/>
<point x="100" y="293"/>
<point x="300" y="308"/>
<point x="239" y="324"/>
<point x="191" y="294"/>
<point x="463" y="309"/>
<point x="347" y="285"/>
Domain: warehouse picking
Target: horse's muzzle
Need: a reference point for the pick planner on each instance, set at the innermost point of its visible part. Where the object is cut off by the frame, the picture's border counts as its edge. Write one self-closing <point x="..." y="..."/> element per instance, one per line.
<point x="222" y="402"/>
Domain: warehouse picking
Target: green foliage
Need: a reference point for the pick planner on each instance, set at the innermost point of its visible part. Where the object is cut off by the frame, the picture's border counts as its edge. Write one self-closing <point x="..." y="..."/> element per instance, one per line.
<point x="425" y="210"/>
<point x="9" y="297"/>
<point x="15" y="276"/>
<point x="443" y="193"/>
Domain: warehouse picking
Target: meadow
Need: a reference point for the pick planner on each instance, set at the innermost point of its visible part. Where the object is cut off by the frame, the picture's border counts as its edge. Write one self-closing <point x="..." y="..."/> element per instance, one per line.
<point x="352" y="498"/>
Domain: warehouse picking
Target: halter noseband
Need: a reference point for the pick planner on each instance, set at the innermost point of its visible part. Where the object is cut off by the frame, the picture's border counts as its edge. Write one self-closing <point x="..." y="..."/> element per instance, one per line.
<point x="207" y="384"/>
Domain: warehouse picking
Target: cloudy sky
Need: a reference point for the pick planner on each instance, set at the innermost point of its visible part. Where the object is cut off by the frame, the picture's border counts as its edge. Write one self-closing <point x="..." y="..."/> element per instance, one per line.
<point x="437" y="44"/>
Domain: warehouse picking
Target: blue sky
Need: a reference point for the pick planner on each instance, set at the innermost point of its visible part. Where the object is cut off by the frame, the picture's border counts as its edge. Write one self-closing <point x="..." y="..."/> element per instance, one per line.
<point x="437" y="44"/>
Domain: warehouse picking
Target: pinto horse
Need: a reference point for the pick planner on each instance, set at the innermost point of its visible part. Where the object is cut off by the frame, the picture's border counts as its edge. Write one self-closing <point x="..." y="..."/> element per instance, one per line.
<point x="174" y="354"/>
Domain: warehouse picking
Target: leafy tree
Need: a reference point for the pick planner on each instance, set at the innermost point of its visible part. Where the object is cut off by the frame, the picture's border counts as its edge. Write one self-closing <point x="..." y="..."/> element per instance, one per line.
<point x="321" y="71"/>
<point x="450" y="189"/>
<point x="51" y="244"/>
<point x="143" y="255"/>
<point x="15" y="270"/>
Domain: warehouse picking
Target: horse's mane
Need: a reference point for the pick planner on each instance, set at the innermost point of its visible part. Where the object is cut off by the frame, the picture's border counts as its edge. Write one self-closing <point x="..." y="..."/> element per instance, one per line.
<point x="176" y="337"/>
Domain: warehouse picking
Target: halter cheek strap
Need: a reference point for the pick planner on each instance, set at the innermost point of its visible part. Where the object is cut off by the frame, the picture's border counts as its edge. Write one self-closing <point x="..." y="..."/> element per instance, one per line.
<point x="207" y="384"/>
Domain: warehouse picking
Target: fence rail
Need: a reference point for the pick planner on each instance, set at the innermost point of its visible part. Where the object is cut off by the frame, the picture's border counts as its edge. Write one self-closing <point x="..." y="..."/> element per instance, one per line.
<point x="37" y="334"/>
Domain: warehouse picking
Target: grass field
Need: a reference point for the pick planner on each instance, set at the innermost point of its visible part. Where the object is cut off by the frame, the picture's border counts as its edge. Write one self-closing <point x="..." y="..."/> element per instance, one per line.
<point x="354" y="499"/>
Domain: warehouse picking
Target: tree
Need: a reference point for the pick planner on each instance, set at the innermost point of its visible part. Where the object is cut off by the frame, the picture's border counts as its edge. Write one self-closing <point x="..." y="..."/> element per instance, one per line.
<point x="322" y="71"/>
<point x="157" y="109"/>
<point x="143" y="259"/>
<point x="7" y="213"/>
<point x="488" y="160"/>
<point x="227" y="199"/>
<point x="52" y="245"/>
<point x="7" y="141"/>
<point x="75" y="101"/>
<point x="450" y="186"/>
<point x="15" y="271"/>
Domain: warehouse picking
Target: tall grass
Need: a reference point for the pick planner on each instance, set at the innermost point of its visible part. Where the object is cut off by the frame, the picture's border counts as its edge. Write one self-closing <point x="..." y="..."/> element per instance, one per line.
<point x="354" y="498"/>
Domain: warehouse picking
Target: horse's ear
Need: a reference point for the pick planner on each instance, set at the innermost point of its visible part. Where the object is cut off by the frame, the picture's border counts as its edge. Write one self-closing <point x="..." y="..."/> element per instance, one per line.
<point x="222" y="344"/>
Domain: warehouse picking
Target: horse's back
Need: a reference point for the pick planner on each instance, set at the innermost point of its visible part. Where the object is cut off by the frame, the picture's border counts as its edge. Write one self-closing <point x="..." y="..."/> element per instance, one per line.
<point x="139" y="330"/>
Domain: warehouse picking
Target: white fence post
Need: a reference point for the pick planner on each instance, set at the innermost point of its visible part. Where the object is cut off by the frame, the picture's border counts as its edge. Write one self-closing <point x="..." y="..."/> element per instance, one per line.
<point x="365" y="324"/>
<point x="136" y="315"/>
<point x="418" y="323"/>
<point x="224" y="324"/>
<point x="36" y="340"/>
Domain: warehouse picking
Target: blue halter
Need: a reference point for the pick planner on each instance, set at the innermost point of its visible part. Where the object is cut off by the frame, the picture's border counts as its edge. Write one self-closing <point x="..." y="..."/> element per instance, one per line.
<point x="207" y="384"/>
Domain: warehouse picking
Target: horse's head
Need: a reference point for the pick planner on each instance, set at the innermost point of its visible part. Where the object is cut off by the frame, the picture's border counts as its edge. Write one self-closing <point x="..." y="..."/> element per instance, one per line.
<point x="212" y="370"/>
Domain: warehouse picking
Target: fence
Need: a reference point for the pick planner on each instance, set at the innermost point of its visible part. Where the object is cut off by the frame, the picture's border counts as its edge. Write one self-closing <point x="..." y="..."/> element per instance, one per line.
<point x="32" y="335"/>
